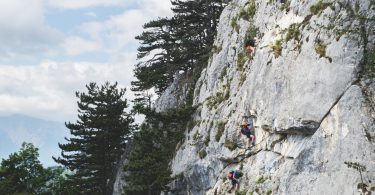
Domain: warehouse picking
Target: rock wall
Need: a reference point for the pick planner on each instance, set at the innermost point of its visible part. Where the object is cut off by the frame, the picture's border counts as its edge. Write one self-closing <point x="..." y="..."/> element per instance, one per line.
<point x="119" y="181"/>
<point x="314" y="111"/>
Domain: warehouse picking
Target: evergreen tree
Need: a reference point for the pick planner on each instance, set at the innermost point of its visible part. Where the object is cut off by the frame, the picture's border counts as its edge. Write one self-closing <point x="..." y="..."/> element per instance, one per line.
<point x="182" y="42"/>
<point x="99" y="137"/>
<point x="148" y="167"/>
<point x="148" y="164"/>
<point x="158" y="71"/>
<point x="57" y="182"/>
<point x="22" y="172"/>
<point x="196" y="29"/>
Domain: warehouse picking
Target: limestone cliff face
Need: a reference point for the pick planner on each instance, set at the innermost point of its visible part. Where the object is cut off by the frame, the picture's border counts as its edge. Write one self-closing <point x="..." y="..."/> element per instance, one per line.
<point x="314" y="111"/>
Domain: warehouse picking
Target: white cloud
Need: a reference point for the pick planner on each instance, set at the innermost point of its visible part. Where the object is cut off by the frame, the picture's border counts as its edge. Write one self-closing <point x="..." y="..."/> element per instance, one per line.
<point x="76" y="45"/>
<point x="118" y="31"/>
<point x="90" y="14"/>
<point x="23" y="31"/>
<point x="155" y="8"/>
<point x="47" y="90"/>
<point x="79" y="4"/>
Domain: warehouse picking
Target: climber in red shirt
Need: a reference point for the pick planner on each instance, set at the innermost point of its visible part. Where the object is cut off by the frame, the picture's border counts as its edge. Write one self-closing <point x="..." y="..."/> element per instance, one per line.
<point x="234" y="176"/>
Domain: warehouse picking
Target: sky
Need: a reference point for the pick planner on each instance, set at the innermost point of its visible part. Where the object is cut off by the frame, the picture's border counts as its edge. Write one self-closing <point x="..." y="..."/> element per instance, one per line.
<point x="52" y="48"/>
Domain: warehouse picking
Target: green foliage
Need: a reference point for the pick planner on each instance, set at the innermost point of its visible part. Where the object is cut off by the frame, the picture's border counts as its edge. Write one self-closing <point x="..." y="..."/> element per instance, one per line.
<point x="227" y="90"/>
<point x="207" y="140"/>
<point x="202" y="153"/>
<point x="231" y="145"/>
<point x="241" y="192"/>
<point x="360" y="168"/>
<point x="251" y="10"/>
<point x="181" y="42"/>
<point x="190" y="96"/>
<point x="179" y="176"/>
<point x="248" y="11"/>
<point x="320" y="49"/>
<point x="220" y="130"/>
<point x="98" y="138"/>
<point x="58" y="183"/>
<point x="251" y="33"/>
<point x="285" y="6"/>
<point x="277" y="48"/>
<point x="356" y="166"/>
<point x="241" y="60"/>
<point x="293" y="32"/>
<point x="227" y="93"/>
<point x="197" y="136"/>
<point x="234" y="25"/>
<point x="243" y="14"/>
<point x="223" y="73"/>
<point x="192" y="124"/>
<point x="242" y="79"/>
<point x="213" y="101"/>
<point x="148" y="167"/>
<point x="154" y="147"/>
<point x="261" y="180"/>
<point x="369" y="64"/>
<point x="22" y="172"/>
<point x="269" y="192"/>
<point x="319" y="7"/>
<point x="217" y="49"/>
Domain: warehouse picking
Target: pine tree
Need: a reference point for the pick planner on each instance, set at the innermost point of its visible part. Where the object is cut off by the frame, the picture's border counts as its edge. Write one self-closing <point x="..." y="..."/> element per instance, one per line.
<point x="182" y="42"/>
<point x="99" y="137"/>
<point x="158" y="71"/>
<point x="197" y="23"/>
<point x="148" y="163"/>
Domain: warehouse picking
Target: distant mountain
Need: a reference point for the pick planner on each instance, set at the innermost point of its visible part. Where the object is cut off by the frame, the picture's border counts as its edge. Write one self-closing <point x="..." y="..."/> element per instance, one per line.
<point x="44" y="134"/>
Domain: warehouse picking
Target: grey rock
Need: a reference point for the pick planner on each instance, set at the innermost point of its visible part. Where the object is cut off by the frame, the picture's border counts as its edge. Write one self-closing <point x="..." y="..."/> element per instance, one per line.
<point x="312" y="114"/>
<point x="313" y="111"/>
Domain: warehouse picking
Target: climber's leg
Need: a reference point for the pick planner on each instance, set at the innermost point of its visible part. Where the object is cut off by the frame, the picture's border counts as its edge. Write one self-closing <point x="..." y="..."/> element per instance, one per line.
<point x="252" y="137"/>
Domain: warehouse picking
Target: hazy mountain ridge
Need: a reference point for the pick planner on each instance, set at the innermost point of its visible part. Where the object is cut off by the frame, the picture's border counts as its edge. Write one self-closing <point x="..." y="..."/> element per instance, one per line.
<point x="44" y="134"/>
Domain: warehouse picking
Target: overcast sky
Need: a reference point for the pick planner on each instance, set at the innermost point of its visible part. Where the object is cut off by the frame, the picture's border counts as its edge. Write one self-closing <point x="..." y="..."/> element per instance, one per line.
<point x="51" y="48"/>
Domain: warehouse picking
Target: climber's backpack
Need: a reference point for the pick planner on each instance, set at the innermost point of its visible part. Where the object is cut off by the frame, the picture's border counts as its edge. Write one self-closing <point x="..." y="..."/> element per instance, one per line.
<point x="234" y="174"/>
